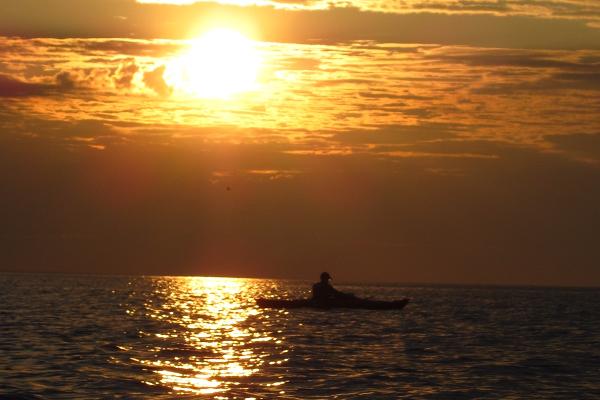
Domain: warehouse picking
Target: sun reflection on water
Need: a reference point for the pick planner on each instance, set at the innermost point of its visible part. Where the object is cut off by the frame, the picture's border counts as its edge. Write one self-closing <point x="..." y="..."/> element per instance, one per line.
<point x="206" y="343"/>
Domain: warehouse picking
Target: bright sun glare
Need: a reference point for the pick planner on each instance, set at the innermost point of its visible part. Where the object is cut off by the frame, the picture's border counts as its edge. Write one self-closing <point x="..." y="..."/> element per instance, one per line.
<point x="218" y="64"/>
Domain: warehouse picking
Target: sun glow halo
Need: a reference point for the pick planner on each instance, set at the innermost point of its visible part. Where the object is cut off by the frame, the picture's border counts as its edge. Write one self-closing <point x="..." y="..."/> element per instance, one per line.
<point x="218" y="64"/>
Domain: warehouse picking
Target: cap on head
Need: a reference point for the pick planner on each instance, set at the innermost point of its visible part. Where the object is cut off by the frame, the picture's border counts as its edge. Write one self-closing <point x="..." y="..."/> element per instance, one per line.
<point x="325" y="276"/>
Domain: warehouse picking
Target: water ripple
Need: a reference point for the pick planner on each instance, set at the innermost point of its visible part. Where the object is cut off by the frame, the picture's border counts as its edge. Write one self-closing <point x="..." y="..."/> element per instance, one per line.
<point x="162" y="337"/>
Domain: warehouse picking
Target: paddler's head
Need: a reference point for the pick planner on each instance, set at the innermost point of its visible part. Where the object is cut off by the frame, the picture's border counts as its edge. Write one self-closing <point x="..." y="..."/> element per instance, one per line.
<point x="325" y="277"/>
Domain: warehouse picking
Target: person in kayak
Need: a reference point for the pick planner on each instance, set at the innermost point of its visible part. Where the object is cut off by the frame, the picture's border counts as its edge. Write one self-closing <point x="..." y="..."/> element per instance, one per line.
<point x="323" y="292"/>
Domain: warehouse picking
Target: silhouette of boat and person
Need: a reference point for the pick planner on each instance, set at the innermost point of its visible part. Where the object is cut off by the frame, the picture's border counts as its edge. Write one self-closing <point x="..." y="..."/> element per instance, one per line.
<point x="325" y="296"/>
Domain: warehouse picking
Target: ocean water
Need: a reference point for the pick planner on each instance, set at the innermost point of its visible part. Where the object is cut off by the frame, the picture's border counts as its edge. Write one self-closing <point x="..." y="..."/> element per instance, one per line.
<point x="88" y="337"/>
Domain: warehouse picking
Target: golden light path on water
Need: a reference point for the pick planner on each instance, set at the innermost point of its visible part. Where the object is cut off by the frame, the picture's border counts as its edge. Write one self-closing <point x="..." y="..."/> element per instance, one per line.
<point x="208" y="343"/>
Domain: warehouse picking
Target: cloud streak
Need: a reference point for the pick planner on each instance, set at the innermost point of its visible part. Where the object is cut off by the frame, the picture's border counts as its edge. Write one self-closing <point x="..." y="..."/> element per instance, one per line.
<point x="523" y="27"/>
<point x="14" y="87"/>
<point x="385" y="93"/>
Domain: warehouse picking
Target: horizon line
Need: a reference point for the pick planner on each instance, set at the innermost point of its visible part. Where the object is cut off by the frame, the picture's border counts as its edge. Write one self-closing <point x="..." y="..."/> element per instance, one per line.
<point x="340" y="282"/>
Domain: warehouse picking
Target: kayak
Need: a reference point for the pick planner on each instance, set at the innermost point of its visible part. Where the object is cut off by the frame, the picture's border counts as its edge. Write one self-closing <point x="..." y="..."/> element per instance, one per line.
<point x="355" y="303"/>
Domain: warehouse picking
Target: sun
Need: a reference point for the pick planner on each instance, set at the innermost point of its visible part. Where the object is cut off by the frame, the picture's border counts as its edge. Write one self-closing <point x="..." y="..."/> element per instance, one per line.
<point x="218" y="64"/>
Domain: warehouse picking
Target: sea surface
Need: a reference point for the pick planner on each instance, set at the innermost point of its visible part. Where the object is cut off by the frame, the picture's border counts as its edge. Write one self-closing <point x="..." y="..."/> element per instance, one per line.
<point x="92" y="337"/>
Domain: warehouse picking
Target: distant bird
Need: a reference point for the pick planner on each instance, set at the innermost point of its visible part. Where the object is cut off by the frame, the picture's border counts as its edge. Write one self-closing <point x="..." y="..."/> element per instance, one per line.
<point x="228" y="188"/>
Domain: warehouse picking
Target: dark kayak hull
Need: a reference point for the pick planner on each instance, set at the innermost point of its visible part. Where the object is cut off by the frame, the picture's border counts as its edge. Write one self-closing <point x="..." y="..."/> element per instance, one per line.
<point x="351" y="303"/>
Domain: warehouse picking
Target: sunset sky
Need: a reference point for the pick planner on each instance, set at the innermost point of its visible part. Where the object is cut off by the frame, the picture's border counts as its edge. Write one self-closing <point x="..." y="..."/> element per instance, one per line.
<point x="445" y="141"/>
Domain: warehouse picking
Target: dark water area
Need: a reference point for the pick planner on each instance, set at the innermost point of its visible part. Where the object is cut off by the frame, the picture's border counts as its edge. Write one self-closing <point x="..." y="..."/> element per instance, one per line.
<point x="88" y="337"/>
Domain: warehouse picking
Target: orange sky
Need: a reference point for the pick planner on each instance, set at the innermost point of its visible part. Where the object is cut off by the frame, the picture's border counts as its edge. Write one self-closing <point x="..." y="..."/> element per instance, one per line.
<point x="424" y="141"/>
